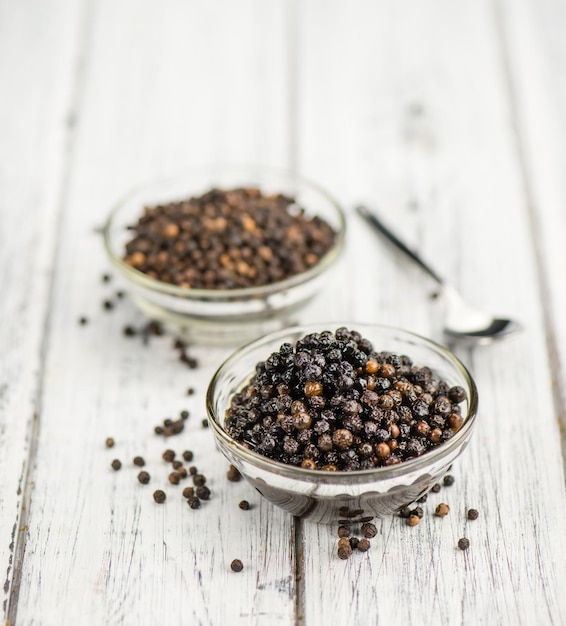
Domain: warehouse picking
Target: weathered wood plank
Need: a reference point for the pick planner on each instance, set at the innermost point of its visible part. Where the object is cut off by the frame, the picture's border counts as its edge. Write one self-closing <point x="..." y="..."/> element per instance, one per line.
<point x="535" y="53"/>
<point x="165" y="86"/>
<point x="413" y="113"/>
<point x="38" y="50"/>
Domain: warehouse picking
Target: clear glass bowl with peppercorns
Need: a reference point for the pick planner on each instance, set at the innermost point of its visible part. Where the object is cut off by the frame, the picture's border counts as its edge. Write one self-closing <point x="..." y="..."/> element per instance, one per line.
<point x="342" y="421"/>
<point x="225" y="253"/>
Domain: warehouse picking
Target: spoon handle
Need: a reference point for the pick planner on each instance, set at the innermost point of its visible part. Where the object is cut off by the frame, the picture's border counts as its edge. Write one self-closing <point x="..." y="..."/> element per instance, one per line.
<point x="372" y="219"/>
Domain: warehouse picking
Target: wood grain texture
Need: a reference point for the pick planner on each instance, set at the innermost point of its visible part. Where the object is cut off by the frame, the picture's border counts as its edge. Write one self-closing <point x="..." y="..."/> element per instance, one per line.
<point x="163" y="87"/>
<point x="36" y="77"/>
<point x="411" y="107"/>
<point x="534" y="45"/>
<point x="441" y="162"/>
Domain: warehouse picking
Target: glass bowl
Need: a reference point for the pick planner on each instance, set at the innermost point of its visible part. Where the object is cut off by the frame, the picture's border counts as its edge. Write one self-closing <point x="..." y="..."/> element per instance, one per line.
<point x="327" y="497"/>
<point x="214" y="315"/>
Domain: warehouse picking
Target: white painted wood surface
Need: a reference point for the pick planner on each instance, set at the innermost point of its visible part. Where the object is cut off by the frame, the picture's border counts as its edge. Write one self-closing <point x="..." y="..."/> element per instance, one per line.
<point x="448" y="117"/>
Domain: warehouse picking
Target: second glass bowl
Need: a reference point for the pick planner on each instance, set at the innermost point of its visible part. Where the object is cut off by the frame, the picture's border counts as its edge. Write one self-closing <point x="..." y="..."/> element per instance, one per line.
<point x="330" y="496"/>
<point x="212" y="315"/>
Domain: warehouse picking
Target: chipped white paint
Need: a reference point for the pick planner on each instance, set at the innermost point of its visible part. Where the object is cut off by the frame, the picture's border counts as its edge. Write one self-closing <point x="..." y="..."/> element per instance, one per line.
<point x="405" y="105"/>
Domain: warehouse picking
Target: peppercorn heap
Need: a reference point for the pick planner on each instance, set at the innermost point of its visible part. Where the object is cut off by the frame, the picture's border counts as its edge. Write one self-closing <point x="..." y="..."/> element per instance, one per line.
<point x="331" y="402"/>
<point x="227" y="239"/>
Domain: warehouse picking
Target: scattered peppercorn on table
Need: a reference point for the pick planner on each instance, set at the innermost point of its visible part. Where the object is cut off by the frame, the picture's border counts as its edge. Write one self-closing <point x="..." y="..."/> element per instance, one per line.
<point x="115" y="506"/>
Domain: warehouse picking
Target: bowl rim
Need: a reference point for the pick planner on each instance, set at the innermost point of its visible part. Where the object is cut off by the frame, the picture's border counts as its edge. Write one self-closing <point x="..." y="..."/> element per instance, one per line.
<point x="153" y="284"/>
<point x="338" y="477"/>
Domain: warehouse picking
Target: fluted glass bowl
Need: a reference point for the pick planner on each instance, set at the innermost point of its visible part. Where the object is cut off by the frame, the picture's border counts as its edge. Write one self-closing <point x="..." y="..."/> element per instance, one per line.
<point x="228" y="315"/>
<point x="324" y="496"/>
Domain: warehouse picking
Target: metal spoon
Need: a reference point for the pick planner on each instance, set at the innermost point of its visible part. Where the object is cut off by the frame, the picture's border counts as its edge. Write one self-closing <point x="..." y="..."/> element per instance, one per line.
<point x="463" y="322"/>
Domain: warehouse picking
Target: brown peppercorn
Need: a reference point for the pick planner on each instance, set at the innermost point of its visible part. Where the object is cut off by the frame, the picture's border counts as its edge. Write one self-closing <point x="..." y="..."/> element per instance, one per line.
<point x="188" y="492"/>
<point x="442" y="510"/>
<point x="364" y="545"/>
<point x="308" y="464"/>
<point x="463" y="543"/>
<point x="405" y="511"/>
<point x="413" y="520"/>
<point x="436" y="488"/>
<point x="455" y="421"/>
<point x="116" y="465"/>
<point x="345" y="551"/>
<point x="169" y="456"/>
<point x="371" y="366"/>
<point x="387" y="370"/>
<point x="176" y="465"/>
<point x="159" y="496"/>
<point x="236" y="565"/>
<point x="342" y="438"/>
<point x="188" y="456"/>
<point x="343" y="541"/>
<point x="343" y="531"/>
<point x="369" y="530"/>
<point x="382" y="450"/>
<point x="313" y="389"/>
<point x="143" y="477"/>
<point x="194" y="502"/>
<point x="109" y="442"/>
<point x="473" y="514"/>
<point x="329" y="468"/>
<point x="244" y="505"/>
<point x="139" y="461"/>
<point x="302" y="420"/>
<point x="174" y="478"/>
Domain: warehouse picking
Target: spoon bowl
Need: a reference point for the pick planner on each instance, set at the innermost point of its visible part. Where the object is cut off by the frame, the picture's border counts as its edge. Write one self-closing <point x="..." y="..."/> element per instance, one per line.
<point x="463" y="322"/>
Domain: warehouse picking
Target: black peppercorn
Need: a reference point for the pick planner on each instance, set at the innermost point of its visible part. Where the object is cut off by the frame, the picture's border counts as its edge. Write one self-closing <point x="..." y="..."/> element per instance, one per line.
<point x="188" y="456"/>
<point x="199" y="480"/>
<point x="194" y="502"/>
<point x="168" y="455"/>
<point x="344" y="531"/>
<point x="448" y="480"/>
<point x="345" y="551"/>
<point x="473" y="514"/>
<point x="143" y="477"/>
<point x="244" y="505"/>
<point x="236" y="565"/>
<point x="203" y="492"/>
<point x="233" y="475"/>
<point x="159" y="496"/>
<point x="83" y="321"/>
<point x="463" y="543"/>
<point x="139" y="461"/>
<point x="116" y="464"/>
<point x="436" y="488"/>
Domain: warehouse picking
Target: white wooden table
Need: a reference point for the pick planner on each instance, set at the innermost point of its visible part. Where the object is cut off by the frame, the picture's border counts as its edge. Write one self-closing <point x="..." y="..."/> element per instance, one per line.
<point x="448" y="115"/>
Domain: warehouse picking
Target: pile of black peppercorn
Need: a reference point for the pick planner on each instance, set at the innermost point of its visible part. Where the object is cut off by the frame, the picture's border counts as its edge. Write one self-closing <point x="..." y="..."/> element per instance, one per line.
<point x="227" y="239"/>
<point x="332" y="402"/>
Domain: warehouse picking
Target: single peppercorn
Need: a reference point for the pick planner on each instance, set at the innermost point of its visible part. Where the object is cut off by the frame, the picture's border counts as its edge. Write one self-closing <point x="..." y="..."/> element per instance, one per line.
<point x="436" y="488"/>
<point x="106" y="278"/>
<point x="203" y="492"/>
<point x="83" y="320"/>
<point x="194" y="502"/>
<point x="463" y="543"/>
<point x="158" y="430"/>
<point x="184" y="415"/>
<point x="344" y="551"/>
<point x="109" y="442"/>
<point x="199" y="480"/>
<point x="442" y="510"/>
<point x="233" y="475"/>
<point x="369" y="530"/>
<point x="188" y="456"/>
<point x="176" y="465"/>
<point x="139" y="461"/>
<point x="169" y="456"/>
<point x="120" y="294"/>
<point x="473" y="514"/>
<point x="244" y="505"/>
<point x="236" y="565"/>
<point x="448" y="480"/>
<point x="108" y="305"/>
<point x="143" y="477"/>
<point x="174" y="478"/>
<point x="413" y="520"/>
<point x="204" y="423"/>
<point x="190" y="391"/>
<point x="129" y="331"/>
<point x="364" y="545"/>
<point x="418" y="511"/>
<point x="405" y="511"/>
<point x="344" y="531"/>
<point x="354" y="541"/>
<point x="116" y="464"/>
<point x="193" y="470"/>
<point x="188" y="492"/>
<point x="159" y="496"/>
